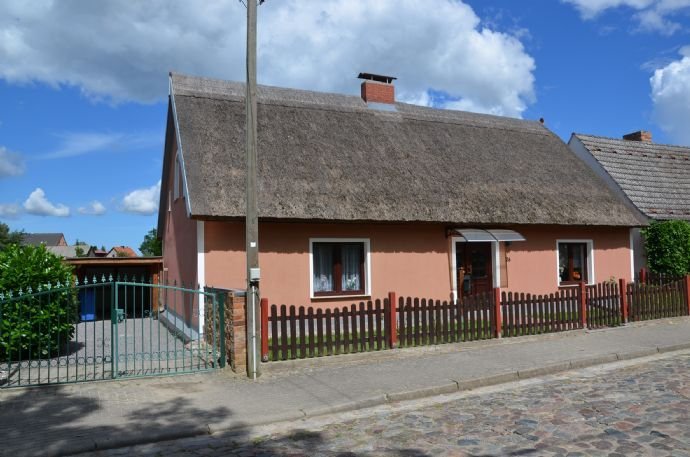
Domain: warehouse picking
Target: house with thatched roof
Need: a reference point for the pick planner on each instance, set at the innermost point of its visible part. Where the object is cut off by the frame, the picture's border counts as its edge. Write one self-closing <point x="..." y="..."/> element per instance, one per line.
<point x="359" y="196"/>
<point x="652" y="179"/>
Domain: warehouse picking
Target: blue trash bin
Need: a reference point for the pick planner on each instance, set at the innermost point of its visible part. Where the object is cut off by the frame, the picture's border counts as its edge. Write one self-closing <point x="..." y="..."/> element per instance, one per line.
<point x="87" y="301"/>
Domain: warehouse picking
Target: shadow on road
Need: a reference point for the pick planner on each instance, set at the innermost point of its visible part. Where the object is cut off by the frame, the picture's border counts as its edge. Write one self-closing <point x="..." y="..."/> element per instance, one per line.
<point x="59" y="420"/>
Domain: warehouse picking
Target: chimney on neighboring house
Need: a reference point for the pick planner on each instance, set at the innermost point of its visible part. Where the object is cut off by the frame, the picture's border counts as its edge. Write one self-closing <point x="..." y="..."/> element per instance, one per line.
<point x="640" y="135"/>
<point x="377" y="88"/>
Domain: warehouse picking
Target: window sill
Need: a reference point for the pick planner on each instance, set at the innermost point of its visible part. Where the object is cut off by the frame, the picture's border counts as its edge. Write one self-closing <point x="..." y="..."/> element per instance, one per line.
<point x="574" y="284"/>
<point x="338" y="297"/>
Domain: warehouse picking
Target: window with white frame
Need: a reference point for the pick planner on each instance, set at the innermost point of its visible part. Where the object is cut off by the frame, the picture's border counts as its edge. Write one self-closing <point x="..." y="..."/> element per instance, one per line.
<point x="339" y="267"/>
<point x="574" y="262"/>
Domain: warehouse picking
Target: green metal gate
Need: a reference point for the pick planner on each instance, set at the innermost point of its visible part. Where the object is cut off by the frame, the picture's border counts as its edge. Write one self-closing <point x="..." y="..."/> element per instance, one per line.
<point x="105" y="329"/>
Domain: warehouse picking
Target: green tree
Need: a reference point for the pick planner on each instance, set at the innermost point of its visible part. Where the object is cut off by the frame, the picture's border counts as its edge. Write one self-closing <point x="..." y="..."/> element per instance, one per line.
<point x="8" y="237"/>
<point x="668" y="247"/>
<point x="152" y="245"/>
<point x="35" y="324"/>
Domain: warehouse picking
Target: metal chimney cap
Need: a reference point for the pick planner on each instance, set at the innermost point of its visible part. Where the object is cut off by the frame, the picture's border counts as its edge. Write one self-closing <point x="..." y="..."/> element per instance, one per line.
<point x="378" y="78"/>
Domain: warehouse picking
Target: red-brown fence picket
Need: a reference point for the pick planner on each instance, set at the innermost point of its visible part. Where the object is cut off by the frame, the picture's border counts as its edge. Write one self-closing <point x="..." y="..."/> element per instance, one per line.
<point x="526" y="314"/>
<point x="657" y="300"/>
<point x="426" y="321"/>
<point x="603" y="305"/>
<point x="298" y="333"/>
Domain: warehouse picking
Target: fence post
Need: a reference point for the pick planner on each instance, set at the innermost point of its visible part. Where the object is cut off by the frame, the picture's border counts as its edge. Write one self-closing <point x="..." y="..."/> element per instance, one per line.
<point x="583" y="304"/>
<point x="497" y="312"/>
<point x="687" y="292"/>
<point x="643" y="275"/>
<point x="392" y="321"/>
<point x="623" y="291"/>
<point x="264" y="329"/>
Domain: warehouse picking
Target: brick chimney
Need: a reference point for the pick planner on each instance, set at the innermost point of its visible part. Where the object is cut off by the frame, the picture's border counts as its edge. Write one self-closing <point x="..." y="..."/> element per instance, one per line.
<point x="377" y="88"/>
<point x="640" y="135"/>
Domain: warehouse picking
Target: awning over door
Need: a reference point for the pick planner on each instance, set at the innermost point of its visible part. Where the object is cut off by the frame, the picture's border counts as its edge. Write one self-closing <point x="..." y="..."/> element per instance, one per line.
<point x="473" y="235"/>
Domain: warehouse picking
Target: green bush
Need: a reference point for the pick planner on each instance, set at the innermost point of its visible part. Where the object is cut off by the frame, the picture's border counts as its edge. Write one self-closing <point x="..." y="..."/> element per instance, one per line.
<point x="668" y="247"/>
<point x="35" y="325"/>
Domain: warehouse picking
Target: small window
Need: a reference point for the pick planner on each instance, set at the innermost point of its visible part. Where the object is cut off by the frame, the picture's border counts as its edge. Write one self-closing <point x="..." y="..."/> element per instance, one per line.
<point x="338" y="268"/>
<point x="572" y="263"/>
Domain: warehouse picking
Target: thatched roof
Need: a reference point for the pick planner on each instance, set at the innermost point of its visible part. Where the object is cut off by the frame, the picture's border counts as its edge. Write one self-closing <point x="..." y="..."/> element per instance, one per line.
<point x="331" y="157"/>
<point x="655" y="177"/>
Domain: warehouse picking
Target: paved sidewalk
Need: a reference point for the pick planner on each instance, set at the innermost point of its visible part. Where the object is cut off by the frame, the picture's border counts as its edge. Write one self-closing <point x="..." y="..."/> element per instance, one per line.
<point x="67" y="419"/>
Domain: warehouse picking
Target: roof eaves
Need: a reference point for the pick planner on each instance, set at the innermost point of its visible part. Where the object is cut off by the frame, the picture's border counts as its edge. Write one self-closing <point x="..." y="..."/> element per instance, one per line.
<point x="180" y="152"/>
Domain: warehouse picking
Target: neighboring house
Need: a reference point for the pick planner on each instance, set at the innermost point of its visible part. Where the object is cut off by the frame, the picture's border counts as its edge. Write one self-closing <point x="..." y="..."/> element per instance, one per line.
<point x="121" y="251"/>
<point x="359" y="196"/>
<point x="95" y="252"/>
<point x="653" y="179"/>
<point x="47" y="239"/>
<point x="66" y="251"/>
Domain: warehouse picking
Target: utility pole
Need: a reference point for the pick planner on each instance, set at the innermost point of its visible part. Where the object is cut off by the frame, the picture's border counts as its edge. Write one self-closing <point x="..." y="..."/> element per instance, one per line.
<point x="252" y="219"/>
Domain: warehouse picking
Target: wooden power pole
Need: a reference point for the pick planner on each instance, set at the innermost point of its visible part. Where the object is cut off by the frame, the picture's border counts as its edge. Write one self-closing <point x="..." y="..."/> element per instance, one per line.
<point x="252" y="219"/>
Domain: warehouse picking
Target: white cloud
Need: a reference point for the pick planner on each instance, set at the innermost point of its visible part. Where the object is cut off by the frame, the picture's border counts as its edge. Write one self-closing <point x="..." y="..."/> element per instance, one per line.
<point x="9" y="211"/>
<point x="142" y="201"/>
<point x="95" y="208"/>
<point x="38" y="204"/>
<point x="79" y="143"/>
<point x="11" y="163"/>
<point x="126" y="50"/>
<point x="671" y="97"/>
<point x="652" y="15"/>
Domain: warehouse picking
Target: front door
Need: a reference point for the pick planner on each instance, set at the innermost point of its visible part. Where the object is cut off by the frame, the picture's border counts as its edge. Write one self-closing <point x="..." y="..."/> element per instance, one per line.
<point x="474" y="268"/>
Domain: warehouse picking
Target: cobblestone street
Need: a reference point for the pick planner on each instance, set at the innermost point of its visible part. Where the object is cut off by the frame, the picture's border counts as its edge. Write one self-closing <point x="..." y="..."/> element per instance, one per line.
<point x="635" y="410"/>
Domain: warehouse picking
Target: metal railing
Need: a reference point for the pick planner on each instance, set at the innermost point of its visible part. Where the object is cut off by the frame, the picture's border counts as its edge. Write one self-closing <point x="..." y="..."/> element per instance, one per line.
<point x="106" y="328"/>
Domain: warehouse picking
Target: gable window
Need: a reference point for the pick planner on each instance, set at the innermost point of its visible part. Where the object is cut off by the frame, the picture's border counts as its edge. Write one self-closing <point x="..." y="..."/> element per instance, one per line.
<point x="574" y="262"/>
<point x="339" y="267"/>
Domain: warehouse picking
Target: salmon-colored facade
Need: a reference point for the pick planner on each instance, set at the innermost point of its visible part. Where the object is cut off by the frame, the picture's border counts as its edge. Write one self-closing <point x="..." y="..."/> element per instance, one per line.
<point x="409" y="259"/>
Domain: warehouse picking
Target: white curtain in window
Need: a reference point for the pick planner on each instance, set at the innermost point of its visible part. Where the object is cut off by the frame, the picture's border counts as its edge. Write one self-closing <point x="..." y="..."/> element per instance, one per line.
<point x="351" y="261"/>
<point x="323" y="268"/>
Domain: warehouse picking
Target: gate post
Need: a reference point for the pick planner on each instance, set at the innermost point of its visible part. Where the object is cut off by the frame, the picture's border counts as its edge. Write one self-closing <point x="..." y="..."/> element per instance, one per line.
<point x="219" y="301"/>
<point x="583" y="304"/>
<point x="114" y="367"/>
<point x="497" y="312"/>
<point x="687" y="292"/>
<point x="392" y="321"/>
<point x="264" y="329"/>
<point x="623" y="291"/>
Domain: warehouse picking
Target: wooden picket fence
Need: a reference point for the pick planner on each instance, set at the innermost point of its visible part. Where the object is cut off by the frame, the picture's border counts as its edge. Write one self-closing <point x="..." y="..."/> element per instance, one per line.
<point x="288" y="332"/>
<point x="427" y="321"/>
<point x="604" y="305"/>
<point x="526" y="314"/>
<point x="297" y="333"/>
<point x="657" y="300"/>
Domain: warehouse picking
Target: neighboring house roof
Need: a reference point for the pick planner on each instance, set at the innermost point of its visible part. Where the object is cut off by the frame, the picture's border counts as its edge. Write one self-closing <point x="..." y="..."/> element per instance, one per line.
<point x="655" y="177"/>
<point x="95" y="252"/>
<point x="327" y="156"/>
<point x="49" y="239"/>
<point x="66" y="251"/>
<point x="122" y="251"/>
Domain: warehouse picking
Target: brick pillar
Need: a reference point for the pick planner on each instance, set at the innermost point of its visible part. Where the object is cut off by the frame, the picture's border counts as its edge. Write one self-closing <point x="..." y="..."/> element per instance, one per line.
<point x="235" y="323"/>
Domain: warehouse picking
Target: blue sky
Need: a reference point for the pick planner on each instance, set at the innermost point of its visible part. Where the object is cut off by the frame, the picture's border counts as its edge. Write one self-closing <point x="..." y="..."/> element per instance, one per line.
<point x="83" y="88"/>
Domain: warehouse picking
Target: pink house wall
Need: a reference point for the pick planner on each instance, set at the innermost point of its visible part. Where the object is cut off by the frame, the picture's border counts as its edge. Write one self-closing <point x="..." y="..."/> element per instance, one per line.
<point x="410" y="259"/>
<point x="179" y="239"/>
